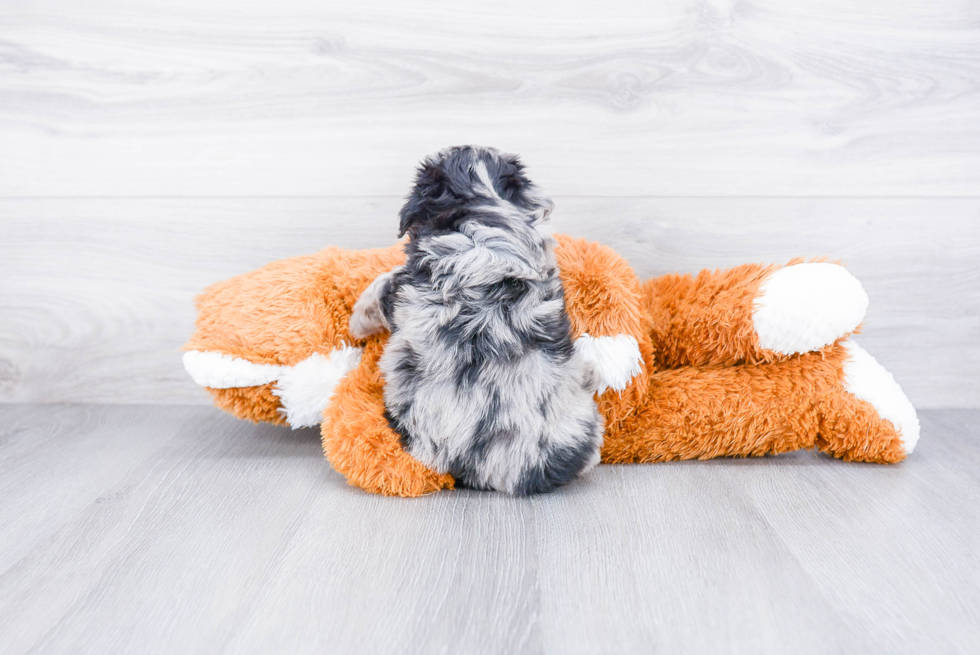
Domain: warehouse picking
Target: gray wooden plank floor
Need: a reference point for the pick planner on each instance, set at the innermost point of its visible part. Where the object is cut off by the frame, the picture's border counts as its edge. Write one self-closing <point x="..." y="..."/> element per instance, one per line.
<point x="177" y="529"/>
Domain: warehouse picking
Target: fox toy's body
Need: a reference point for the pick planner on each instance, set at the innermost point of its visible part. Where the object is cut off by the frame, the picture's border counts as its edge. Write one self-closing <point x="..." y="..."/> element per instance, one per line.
<point x="748" y="361"/>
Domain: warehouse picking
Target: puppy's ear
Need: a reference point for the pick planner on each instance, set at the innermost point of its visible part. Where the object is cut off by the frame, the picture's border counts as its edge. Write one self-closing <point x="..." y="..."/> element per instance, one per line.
<point x="512" y="179"/>
<point x="518" y="189"/>
<point x="429" y="201"/>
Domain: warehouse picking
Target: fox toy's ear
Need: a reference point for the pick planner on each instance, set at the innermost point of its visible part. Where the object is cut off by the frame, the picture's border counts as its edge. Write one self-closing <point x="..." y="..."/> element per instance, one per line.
<point x="431" y="204"/>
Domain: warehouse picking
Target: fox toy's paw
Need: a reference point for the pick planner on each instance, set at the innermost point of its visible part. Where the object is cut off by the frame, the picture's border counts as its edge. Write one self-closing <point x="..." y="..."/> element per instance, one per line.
<point x="804" y="307"/>
<point x="303" y="390"/>
<point x="865" y="416"/>
<point x="615" y="360"/>
<point x="869" y="381"/>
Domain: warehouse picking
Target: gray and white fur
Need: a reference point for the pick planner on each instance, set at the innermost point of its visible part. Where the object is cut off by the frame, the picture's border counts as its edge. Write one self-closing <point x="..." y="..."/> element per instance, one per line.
<point x="481" y="376"/>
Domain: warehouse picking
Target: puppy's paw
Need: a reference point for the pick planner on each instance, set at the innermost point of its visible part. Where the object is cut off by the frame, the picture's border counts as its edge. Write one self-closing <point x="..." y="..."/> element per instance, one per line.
<point x="365" y="321"/>
<point x="367" y="317"/>
<point x="805" y="307"/>
<point x="614" y="360"/>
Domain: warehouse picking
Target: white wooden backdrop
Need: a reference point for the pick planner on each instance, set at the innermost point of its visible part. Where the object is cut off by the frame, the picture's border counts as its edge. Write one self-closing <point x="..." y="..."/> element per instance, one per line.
<point x="150" y="147"/>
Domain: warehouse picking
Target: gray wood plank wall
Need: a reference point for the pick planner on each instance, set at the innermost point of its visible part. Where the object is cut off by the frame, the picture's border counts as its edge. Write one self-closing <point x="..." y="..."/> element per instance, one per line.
<point x="149" y="148"/>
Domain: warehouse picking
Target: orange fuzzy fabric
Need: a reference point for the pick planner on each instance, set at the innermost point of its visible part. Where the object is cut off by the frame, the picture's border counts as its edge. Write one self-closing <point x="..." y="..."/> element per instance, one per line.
<point x="359" y="443"/>
<point x="706" y="320"/>
<point x="751" y="410"/>
<point x="706" y="388"/>
<point x="602" y="294"/>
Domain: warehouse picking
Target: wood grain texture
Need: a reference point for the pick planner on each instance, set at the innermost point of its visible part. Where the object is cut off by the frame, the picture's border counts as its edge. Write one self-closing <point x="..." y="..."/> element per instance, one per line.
<point x="180" y="530"/>
<point x="678" y="97"/>
<point x="149" y="148"/>
<point x="96" y="295"/>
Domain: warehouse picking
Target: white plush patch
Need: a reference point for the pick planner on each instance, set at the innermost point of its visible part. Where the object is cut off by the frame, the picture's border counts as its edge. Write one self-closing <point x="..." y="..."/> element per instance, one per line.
<point x="220" y="371"/>
<point x="305" y="389"/>
<point x="868" y="380"/>
<point x="616" y="360"/>
<point x="805" y="307"/>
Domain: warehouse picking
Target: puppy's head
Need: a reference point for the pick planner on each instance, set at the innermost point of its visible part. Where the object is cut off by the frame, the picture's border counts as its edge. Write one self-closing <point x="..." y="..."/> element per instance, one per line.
<point x="454" y="181"/>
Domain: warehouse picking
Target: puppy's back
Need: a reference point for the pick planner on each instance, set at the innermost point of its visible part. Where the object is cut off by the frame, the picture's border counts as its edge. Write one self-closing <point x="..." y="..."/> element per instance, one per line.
<point x="481" y="376"/>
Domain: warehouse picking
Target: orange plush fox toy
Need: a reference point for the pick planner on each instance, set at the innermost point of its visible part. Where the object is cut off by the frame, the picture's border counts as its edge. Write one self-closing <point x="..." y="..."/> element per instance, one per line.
<point x="754" y="360"/>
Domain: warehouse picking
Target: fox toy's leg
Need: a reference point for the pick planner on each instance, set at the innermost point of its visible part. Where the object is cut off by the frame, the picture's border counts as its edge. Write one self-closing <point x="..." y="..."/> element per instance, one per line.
<point x="838" y="399"/>
<point x="359" y="443"/>
<point x="605" y="308"/>
<point x="751" y="313"/>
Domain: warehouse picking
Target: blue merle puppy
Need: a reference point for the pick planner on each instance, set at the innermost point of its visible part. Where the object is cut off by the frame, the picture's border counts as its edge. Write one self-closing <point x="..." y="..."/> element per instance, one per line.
<point x="481" y="376"/>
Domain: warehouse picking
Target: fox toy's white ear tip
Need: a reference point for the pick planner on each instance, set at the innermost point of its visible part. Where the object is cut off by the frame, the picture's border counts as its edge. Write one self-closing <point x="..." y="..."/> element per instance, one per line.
<point x="615" y="360"/>
<point x="804" y="307"/>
